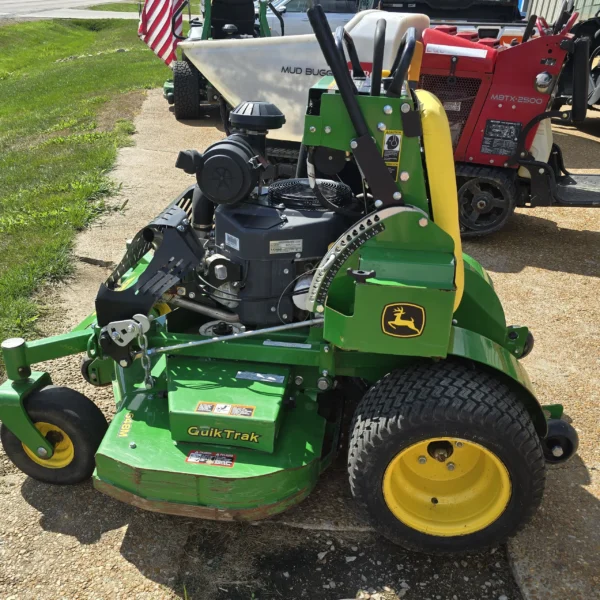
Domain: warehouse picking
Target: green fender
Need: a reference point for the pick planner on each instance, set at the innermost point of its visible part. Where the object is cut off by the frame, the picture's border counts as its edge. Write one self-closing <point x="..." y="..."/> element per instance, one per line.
<point x="473" y="346"/>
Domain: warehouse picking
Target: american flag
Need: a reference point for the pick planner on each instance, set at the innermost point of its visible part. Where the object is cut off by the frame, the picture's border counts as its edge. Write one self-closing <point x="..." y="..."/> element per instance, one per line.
<point x="155" y="27"/>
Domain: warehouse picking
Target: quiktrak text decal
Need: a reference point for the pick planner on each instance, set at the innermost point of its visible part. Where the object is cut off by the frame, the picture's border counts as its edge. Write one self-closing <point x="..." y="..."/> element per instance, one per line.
<point x="224" y="434"/>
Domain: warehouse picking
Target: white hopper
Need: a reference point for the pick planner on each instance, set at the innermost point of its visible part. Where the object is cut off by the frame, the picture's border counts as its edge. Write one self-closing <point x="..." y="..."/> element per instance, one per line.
<point x="281" y="70"/>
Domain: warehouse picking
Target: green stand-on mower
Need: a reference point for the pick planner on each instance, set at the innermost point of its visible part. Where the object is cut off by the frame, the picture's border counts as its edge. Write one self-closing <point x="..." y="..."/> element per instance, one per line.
<point x="237" y="318"/>
<point x="222" y="20"/>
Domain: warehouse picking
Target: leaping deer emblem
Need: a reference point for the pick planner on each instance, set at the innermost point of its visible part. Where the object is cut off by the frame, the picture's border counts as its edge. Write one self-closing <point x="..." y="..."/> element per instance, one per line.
<point x="400" y="322"/>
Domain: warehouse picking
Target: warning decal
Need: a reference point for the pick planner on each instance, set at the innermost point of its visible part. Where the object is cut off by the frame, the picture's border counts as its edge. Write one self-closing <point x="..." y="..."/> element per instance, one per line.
<point x="215" y="459"/>
<point x="392" y="146"/>
<point x="500" y="137"/>
<point x="238" y="410"/>
<point x="234" y="410"/>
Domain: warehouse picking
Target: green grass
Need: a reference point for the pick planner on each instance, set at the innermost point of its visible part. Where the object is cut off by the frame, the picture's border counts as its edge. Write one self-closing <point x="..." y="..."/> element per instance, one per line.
<point x="56" y="78"/>
<point x="118" y="6"/>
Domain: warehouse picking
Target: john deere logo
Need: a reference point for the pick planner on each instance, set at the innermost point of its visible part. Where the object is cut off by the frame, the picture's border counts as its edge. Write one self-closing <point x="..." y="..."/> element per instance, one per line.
<point x="403" y="320"/>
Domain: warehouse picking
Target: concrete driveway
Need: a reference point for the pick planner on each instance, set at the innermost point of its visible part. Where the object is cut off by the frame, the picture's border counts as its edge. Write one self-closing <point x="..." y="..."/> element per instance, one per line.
<point x="72" y="542"/>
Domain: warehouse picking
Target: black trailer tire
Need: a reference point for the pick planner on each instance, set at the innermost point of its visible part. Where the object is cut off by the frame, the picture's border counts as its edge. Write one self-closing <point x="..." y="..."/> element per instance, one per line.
<point x="186" y="91"/>
<point x="451" y="403"/>
<point x="73" y="423"/>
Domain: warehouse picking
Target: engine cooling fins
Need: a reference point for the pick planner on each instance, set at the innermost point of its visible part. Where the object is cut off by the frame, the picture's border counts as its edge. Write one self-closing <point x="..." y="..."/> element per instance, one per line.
<point x="297" y="193"/>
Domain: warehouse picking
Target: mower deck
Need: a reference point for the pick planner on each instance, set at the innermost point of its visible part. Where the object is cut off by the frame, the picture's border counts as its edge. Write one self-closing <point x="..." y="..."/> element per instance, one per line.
<point x="140" y="463"/>
<point x="578" y="190"/>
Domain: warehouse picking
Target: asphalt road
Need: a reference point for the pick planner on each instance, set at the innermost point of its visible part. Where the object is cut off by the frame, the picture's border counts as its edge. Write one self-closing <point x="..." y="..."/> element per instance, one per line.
<point x="13" y="8"/>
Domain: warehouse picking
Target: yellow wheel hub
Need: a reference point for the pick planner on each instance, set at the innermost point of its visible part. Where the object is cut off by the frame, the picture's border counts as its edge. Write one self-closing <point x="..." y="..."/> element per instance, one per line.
<point x="64" y="451"/>
<point x="446" y="487"/>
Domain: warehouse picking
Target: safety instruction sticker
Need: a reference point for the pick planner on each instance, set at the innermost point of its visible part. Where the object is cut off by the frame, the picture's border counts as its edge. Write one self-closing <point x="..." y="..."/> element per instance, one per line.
<point x="215" y="459"/>
<point x="265" y="377"/>
<point x="500" y="137"/>
<point x="392" y="147"/>
<point x="233" y="410"/>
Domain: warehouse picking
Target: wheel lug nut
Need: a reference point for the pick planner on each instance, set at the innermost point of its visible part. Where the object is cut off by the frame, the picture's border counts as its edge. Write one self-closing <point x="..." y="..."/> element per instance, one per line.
<point x="459" y="444"/>
<point x="451" y="466"/>
<point x="422" y="460"/>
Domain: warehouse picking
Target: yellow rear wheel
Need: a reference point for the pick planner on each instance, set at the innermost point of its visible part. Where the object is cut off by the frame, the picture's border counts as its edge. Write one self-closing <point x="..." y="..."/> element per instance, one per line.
<point x="444" y="458"/>
<point x="446" y="487"/>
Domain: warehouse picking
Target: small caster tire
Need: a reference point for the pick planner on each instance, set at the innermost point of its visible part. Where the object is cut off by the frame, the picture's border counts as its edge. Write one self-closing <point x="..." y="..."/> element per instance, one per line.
<point x="72" y="423"/>
<point x="561" y="443"/>
<point x="529" y="344"/>
<point x="85" y="373"/>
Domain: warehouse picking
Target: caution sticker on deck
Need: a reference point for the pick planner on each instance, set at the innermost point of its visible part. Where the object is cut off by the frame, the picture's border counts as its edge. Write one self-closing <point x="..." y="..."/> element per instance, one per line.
<point x="214" y="459"/>
<point x="234" y="410"/>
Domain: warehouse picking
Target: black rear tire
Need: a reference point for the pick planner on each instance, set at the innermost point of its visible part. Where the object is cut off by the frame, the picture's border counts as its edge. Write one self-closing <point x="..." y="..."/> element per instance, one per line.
<point x="453" y="400"/>
<point x="78" y="417"/>
<point x="186" y="91"/>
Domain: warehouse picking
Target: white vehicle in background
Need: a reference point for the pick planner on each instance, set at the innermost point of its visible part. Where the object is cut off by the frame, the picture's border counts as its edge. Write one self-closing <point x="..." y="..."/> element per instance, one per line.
<point x="281" y="70"/>
<point x="230" y="22"/>
<point x="339" y="12"/>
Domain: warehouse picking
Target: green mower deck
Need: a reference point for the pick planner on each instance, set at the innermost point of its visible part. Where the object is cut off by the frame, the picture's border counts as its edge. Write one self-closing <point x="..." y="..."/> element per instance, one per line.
<point x="139" y="462"/>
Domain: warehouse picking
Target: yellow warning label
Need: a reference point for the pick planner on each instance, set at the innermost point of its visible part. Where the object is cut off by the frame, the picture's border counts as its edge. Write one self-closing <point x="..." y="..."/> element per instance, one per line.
<point x="392" y="148"/>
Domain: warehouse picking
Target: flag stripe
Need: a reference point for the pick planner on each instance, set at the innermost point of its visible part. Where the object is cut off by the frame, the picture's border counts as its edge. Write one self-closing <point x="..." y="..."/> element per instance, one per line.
<point x="155" y="27"/>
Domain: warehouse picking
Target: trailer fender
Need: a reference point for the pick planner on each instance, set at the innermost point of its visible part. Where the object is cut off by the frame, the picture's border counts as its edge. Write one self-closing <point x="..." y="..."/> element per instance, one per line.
<point x="471" y="346"/>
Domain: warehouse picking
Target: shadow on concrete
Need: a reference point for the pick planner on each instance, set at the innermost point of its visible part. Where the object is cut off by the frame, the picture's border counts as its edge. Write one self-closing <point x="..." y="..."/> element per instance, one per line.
<point x="565" y="536"/>
<point x="530" y="241"/>
<point x="294" y="559"/>
<point x="211" y="117"/>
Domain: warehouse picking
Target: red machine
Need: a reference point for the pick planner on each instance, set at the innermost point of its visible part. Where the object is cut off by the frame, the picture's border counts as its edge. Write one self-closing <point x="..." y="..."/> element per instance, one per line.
<point x="498" y="103"/>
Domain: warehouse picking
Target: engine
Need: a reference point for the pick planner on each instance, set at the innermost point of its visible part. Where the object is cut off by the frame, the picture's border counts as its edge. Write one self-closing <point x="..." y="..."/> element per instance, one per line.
<point x="262" y="241"/>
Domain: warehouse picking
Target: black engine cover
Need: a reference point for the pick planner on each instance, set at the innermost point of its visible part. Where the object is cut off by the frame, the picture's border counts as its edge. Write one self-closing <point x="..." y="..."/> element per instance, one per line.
<point x="268" y="241"/>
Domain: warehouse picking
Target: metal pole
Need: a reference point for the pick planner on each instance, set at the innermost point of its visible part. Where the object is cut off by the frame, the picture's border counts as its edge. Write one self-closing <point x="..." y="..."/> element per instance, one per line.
<point x="234" y="336"/>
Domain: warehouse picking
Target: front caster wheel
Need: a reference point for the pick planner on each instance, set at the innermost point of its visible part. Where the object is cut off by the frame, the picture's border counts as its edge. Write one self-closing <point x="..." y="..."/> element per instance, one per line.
<point x="561" y="443"/>
<point x="444" y="458"/>
<point x="72" y="423"/>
